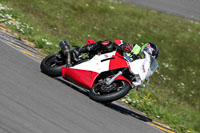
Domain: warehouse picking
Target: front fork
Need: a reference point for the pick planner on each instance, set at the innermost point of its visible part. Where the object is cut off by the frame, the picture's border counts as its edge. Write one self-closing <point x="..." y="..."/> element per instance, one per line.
<point x="138" y="83"/>
<point x="110" y="81"/>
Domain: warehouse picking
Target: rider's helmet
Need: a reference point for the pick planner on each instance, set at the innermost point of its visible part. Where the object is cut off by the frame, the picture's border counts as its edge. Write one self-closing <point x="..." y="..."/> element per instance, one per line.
<point x="152" y="49"/>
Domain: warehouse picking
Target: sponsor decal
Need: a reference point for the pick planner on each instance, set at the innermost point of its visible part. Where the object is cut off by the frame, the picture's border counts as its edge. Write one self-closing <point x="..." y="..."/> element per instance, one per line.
<point x="143" y="68"/>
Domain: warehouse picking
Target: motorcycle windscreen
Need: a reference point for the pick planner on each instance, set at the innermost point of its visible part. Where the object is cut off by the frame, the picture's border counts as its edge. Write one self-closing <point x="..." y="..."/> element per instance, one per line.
<point x="154" y="65"/>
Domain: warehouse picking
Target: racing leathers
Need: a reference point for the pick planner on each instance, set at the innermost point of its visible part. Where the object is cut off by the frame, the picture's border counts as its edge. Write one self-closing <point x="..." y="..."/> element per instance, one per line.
<point x="106" y="46"/>
<point x="100" y="47"/>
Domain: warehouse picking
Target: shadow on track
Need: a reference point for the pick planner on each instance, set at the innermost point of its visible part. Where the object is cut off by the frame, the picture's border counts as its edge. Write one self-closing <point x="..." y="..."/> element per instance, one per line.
<point x="126" y="111"/>
<point x="112" y="106"/>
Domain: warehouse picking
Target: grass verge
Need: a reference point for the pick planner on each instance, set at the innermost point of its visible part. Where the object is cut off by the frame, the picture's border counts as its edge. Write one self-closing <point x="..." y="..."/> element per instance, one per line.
<point x="172" y="96"/>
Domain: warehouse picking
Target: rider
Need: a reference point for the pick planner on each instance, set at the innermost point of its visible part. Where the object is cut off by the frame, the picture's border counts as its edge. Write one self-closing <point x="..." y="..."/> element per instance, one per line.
<point x="100" y="47"/>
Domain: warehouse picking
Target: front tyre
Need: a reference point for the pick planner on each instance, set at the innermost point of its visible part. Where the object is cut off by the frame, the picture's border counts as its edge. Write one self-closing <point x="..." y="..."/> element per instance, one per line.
<point x="103" y="93"/>
<point x="52" y="64"/>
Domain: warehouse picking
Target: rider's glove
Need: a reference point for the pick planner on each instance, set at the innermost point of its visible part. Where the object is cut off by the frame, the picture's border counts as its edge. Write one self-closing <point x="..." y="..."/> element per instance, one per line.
<point x="135" y="57"/>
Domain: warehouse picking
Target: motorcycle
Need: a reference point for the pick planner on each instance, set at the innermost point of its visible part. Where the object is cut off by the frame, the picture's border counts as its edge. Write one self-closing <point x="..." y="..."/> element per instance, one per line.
<point x="107" y="77"/>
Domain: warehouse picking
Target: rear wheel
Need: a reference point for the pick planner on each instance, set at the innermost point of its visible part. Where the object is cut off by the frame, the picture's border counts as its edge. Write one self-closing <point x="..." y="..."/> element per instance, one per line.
<point x="104" y="93"/>
<point x="52" y="64"/>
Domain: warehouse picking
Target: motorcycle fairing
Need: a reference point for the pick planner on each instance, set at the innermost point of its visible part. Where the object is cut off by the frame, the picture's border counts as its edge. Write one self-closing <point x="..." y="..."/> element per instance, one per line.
<point x="84" y="74"/>
<point x="117" y="63"/>
<point x="120" y="77"/>
<point x="141" y="67"/>
<point x="103" y="63"/>
<point x="83" y="78"/>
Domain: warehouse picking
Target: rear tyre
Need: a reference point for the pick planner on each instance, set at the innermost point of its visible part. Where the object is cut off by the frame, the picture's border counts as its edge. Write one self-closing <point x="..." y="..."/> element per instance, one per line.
<point x="120" y="90"/>
<point x="52" y="64"/>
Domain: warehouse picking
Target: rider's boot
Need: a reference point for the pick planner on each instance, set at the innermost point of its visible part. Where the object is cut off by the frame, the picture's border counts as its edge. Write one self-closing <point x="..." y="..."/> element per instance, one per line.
<point x="77" y="51"/>
<point x="75" y="54"/>
<point x="85" y="49"/>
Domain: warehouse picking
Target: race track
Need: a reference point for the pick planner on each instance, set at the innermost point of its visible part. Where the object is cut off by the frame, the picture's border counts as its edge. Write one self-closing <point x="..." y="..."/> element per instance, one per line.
<point x="31" y="102"/>
<point x="185" y="8"/>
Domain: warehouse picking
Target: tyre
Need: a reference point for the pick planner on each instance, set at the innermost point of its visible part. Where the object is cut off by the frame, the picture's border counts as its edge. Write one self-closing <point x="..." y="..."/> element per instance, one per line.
<point x="102" y="93"/>
<point x="52" y="64"/>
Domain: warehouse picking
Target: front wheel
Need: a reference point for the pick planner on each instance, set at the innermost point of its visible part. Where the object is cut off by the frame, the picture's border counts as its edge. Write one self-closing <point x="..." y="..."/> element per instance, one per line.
<point x="104" y="93"/>
<point x="52" y="64"/>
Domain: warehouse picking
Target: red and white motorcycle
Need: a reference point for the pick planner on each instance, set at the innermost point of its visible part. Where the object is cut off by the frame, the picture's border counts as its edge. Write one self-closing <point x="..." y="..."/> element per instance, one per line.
<point x="108" y="76"/>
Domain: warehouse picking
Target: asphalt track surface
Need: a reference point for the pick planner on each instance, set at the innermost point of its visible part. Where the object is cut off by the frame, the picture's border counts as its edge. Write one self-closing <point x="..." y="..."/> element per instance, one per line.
<point x="184" y="8"/>
<point x="31" y="102"/>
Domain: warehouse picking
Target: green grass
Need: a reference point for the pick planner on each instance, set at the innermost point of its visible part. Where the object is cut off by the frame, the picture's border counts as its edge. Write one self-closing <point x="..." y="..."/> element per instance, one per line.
<point x="174" y="88"/>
